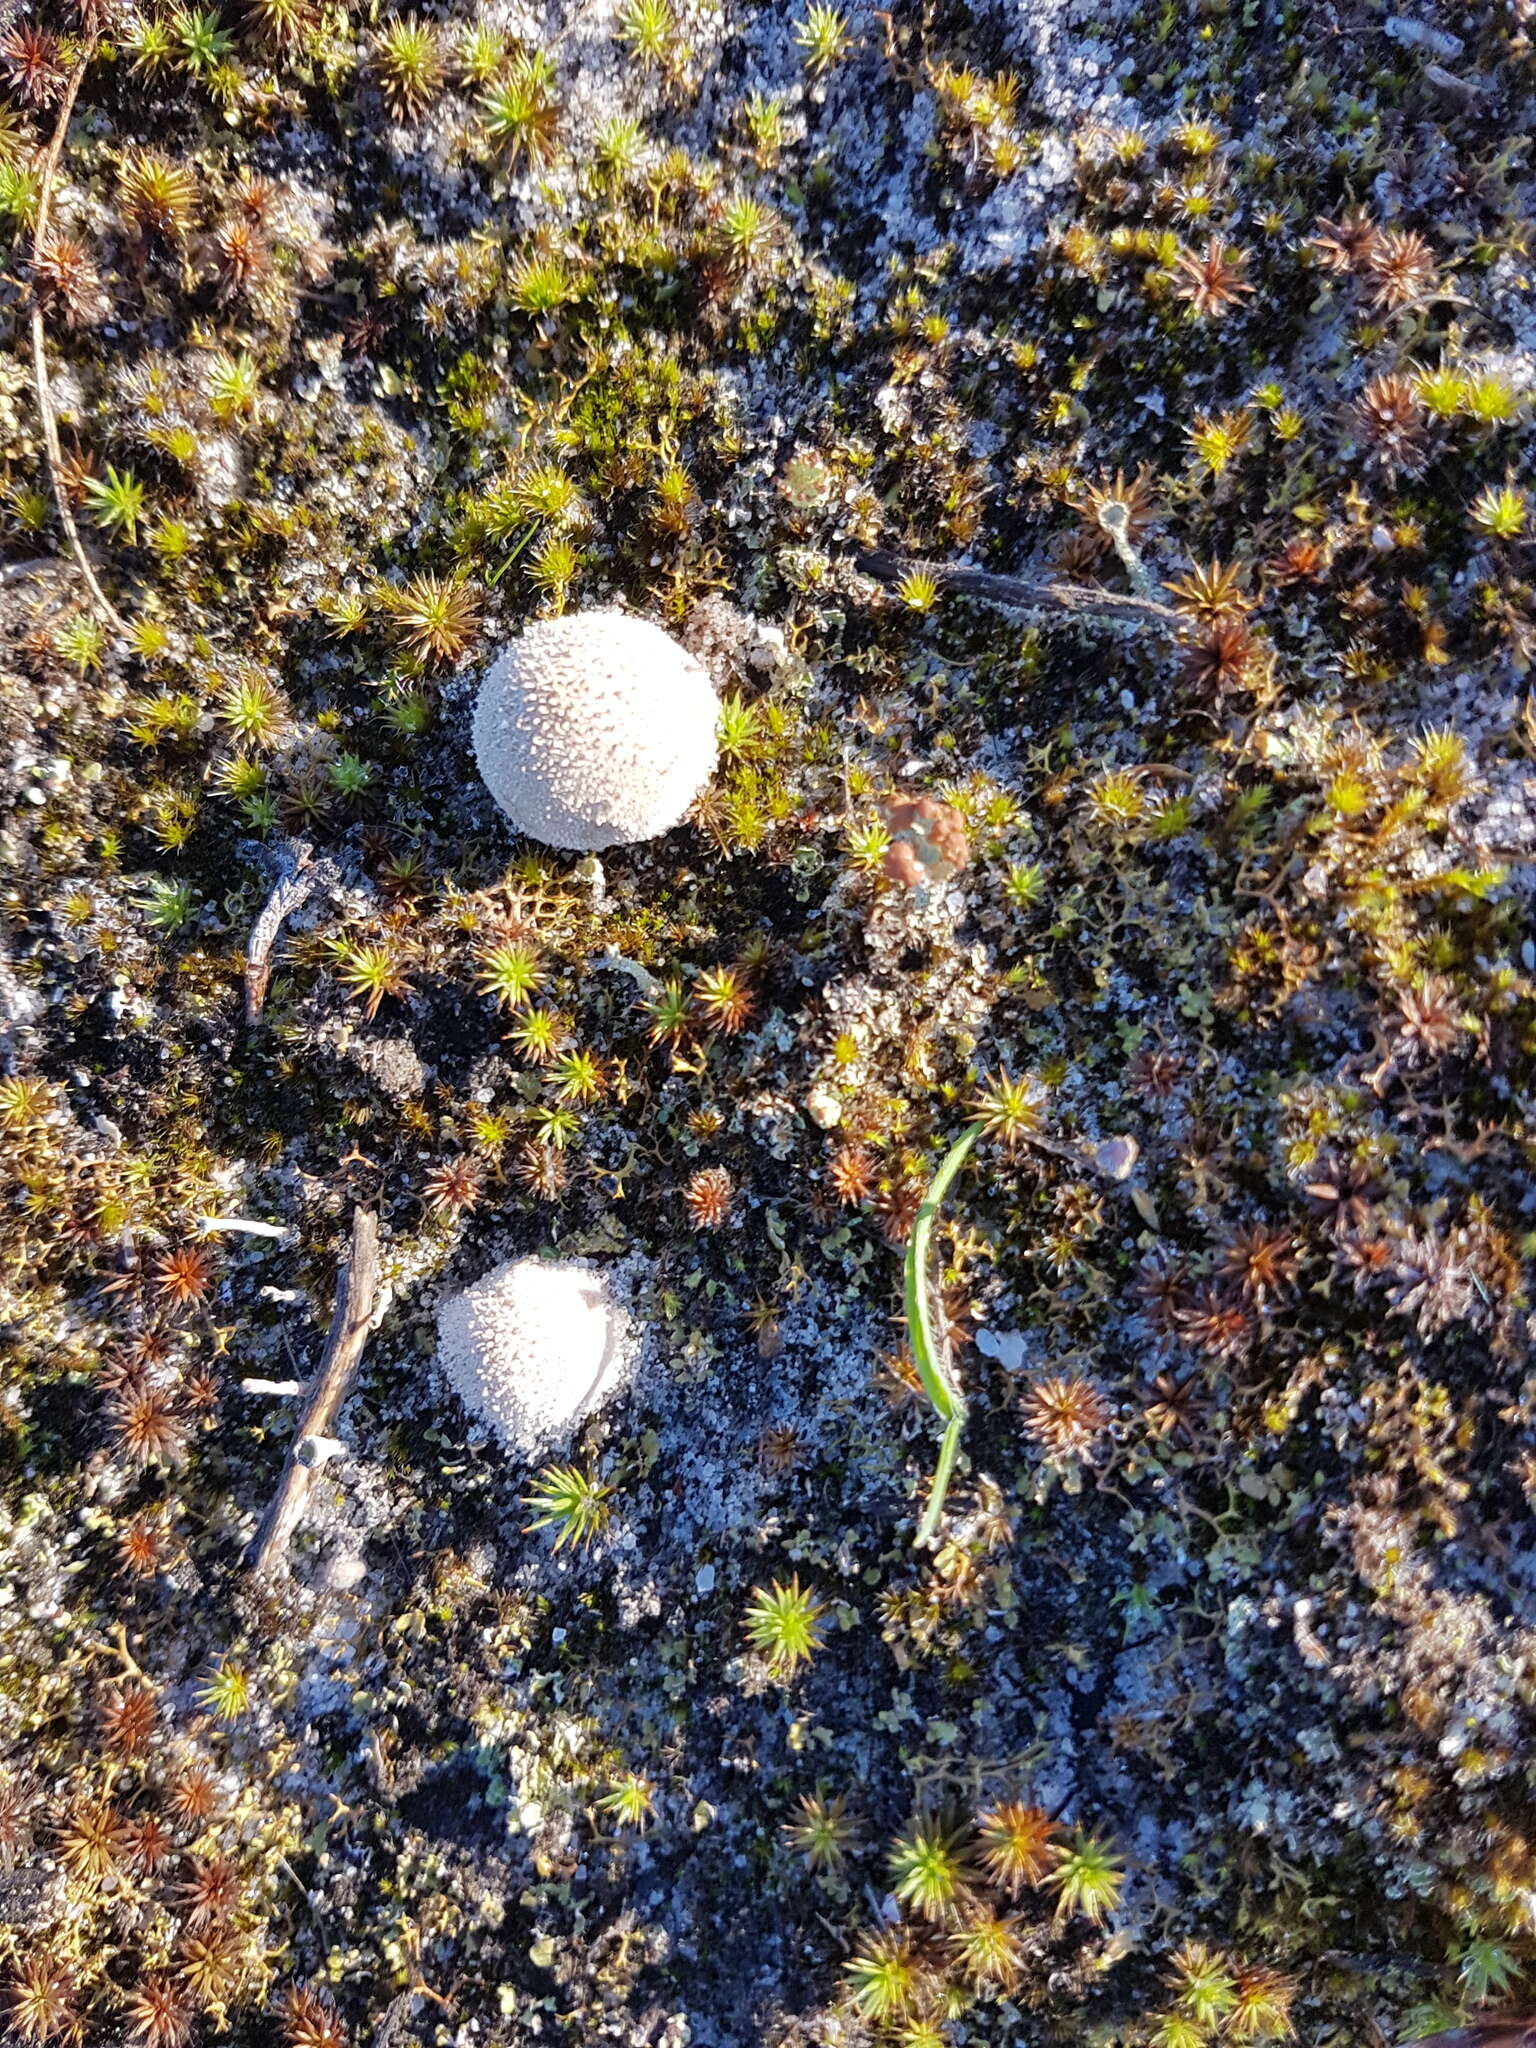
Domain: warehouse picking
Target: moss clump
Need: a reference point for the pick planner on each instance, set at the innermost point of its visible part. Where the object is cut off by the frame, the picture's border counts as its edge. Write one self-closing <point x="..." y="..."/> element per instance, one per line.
<point x="371" y="346"/>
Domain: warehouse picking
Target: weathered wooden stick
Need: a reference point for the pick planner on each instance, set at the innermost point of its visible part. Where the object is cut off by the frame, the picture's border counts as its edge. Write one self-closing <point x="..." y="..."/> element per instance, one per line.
<point x="1020" y="594"/>
<point x="357" y="1289"/>
<point x="288" y="895"/>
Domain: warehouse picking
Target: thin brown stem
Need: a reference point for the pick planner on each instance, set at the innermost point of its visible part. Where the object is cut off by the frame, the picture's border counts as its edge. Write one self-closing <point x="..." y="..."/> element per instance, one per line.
<point x="45" y="410"/>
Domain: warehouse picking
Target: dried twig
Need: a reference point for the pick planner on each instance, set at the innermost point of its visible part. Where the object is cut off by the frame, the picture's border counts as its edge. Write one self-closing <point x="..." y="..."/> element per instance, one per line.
<point x="1020" y="594"/>
<point x="45" y="410"/>
<point x="357" y="1299"/>
<point x="117" y="1647"/>
<point x="290" y="893"/>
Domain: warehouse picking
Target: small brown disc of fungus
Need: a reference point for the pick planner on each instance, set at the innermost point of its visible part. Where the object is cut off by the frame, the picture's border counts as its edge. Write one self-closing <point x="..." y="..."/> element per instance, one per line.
<point x="928" y="842"/>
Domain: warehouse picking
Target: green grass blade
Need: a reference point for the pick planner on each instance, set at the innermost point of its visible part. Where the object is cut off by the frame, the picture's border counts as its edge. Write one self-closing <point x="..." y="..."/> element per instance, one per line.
<point x="930" y="1350"/>
<point x="948" y="1451"/>
<point x="930" y="1346"/>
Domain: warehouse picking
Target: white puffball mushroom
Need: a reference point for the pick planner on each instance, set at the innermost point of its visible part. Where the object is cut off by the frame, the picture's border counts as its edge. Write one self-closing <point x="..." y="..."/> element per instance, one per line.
<point x="534" y="1347"/>
<point x="595" y="729"/>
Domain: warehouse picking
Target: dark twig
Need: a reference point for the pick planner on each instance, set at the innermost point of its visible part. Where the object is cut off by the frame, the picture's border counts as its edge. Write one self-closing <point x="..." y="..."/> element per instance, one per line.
<point x="45" y="410"/>
<point x="1020" y="594"/>
<point x="357" y="1297"/>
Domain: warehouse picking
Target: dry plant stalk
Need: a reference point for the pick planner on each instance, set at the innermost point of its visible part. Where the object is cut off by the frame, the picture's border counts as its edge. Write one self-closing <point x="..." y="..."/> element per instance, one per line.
<point x="50" y="424"/>
<point x="1020" y="593"/>
<point x="357" y="1297"/>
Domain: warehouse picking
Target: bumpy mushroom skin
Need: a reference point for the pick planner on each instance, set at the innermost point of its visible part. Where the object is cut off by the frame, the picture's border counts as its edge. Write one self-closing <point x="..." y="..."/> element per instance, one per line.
<point x="535" y="1346"/>
<point x="595" y="730"/>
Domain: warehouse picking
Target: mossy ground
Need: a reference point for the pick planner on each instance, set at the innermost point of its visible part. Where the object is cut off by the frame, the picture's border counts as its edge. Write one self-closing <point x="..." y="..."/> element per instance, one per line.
<point x="370" y="337"/>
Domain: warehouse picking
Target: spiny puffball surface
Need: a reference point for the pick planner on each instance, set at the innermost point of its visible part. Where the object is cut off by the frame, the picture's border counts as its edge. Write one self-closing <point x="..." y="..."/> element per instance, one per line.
<point x="595" y="729"/>
<point x="534" y="1347"/>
